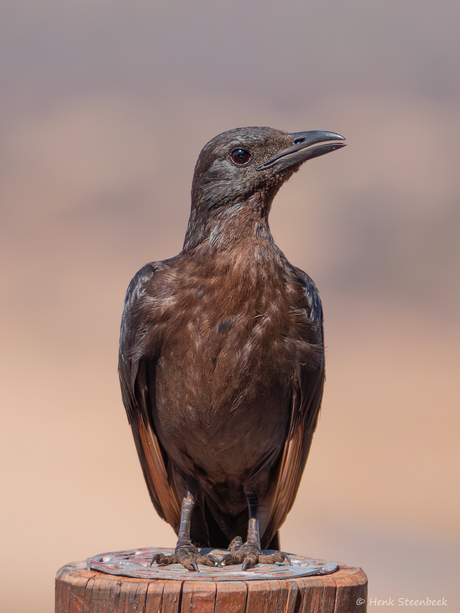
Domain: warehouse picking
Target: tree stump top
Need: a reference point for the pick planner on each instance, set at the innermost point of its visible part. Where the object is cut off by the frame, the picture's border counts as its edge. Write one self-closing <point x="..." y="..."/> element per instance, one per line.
<point x="88" y="591"/>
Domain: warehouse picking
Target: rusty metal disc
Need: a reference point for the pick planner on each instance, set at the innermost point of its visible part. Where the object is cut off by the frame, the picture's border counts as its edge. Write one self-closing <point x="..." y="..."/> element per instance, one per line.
<point x="136" y="563"/>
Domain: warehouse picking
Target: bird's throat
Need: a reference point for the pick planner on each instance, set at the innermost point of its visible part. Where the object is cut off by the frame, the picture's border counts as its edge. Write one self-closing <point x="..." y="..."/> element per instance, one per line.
<point x="232" y="225"/>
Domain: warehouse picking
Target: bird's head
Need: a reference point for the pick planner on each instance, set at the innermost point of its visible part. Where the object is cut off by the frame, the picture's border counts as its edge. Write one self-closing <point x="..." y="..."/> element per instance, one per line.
<point x="237" y="164"/>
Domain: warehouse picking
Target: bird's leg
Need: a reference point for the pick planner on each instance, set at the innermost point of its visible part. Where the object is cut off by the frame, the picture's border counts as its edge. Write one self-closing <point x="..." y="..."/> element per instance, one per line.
<point x="250" y="553"/>
<point x="186" y="553"/>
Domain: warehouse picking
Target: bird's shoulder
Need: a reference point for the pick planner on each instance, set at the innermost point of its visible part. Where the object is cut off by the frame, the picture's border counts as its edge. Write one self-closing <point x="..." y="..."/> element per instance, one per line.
<point x="150" y="281"/>
<point x="311" y="294"/>
<point x="147" y="297"/>
<point x="306" y="294"/>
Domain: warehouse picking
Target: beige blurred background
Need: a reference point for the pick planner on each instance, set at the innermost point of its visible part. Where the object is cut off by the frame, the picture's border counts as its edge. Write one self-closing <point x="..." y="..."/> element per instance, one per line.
<point x="105" y="106"/>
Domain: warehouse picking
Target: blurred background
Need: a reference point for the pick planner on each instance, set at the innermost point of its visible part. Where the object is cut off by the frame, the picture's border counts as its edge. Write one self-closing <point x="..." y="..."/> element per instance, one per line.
<point x="105" y="106"/>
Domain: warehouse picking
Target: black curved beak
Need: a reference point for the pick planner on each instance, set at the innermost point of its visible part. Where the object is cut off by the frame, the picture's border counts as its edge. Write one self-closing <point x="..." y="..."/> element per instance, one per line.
<point x="306" y="145"/>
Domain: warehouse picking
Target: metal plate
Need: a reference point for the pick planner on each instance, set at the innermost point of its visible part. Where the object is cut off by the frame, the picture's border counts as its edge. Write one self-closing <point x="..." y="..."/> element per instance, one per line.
<point x="136" y="563"/>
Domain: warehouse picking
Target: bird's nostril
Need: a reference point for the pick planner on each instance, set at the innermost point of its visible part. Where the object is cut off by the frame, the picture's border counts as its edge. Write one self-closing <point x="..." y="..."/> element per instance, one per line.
<point x="297" y="141"/>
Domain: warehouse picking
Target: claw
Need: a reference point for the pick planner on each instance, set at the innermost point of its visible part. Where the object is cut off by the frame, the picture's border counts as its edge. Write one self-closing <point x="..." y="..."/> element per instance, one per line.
<point x="249" y="562"/>
<point x="194" y="565"/>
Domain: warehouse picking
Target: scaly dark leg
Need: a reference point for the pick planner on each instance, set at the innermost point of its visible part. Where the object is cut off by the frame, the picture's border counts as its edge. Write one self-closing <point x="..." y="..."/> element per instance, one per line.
<point x="249" y="554"/>
<point x="186" y="553"/>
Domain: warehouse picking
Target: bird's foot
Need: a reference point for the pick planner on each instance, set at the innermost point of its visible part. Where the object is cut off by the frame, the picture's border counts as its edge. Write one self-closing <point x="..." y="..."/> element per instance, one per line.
<point x="249" y="554"/>
<point x="187" y="555"/>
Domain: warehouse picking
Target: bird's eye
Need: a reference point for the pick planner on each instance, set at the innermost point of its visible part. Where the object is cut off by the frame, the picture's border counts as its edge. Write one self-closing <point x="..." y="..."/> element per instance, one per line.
<point x="240" y="156"/>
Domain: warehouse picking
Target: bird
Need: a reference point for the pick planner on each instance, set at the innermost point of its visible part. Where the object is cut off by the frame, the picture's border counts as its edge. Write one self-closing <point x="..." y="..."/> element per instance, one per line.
<point x="221" y="358"/>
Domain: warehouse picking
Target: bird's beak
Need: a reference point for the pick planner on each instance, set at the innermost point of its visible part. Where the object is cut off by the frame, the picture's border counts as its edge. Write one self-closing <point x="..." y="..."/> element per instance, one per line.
<point x="306" y="145"/>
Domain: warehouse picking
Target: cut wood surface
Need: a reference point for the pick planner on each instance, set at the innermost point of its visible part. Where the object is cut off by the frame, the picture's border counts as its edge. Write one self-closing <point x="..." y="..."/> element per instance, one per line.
<point x="82" y="591"/>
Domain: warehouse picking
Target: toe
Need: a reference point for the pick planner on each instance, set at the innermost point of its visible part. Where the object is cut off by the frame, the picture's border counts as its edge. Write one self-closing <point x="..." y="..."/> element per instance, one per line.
<point x="273" y="558"/>
<point x="231" y="558"/>
<point x="208" y="560"/>
<point x="163" y="559"/>
<point x="187" y="557"/>
<point x="236" y="543"/>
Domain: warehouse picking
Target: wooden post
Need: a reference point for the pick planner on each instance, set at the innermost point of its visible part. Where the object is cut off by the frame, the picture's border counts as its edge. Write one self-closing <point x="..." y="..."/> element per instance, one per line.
<point x="82" y="591"/>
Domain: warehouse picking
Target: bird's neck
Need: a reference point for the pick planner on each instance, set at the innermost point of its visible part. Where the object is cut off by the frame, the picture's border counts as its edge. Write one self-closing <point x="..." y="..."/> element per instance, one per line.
<point x="227" y="227"/>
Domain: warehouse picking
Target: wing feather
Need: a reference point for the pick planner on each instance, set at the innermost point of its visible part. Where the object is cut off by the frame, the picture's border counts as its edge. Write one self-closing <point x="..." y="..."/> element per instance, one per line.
<point x="136" y="398"/>
<point x="306" y="395"/>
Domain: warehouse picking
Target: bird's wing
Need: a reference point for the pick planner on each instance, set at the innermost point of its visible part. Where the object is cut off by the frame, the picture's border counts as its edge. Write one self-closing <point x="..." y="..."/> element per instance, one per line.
<point x="307" y="391"/>
<point x="133" y="367"/>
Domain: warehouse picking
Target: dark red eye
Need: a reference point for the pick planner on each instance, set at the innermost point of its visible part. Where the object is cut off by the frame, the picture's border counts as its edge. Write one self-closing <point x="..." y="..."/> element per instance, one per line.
<point x="240" y="156"/>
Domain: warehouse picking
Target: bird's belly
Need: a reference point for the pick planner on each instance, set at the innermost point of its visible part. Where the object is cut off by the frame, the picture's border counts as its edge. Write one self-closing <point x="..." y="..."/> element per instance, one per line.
<point x="228" y="426"/>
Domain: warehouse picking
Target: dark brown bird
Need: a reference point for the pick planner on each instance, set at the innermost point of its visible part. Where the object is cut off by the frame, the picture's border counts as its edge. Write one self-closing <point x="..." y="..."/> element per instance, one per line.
<point x="221" y="356"/>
